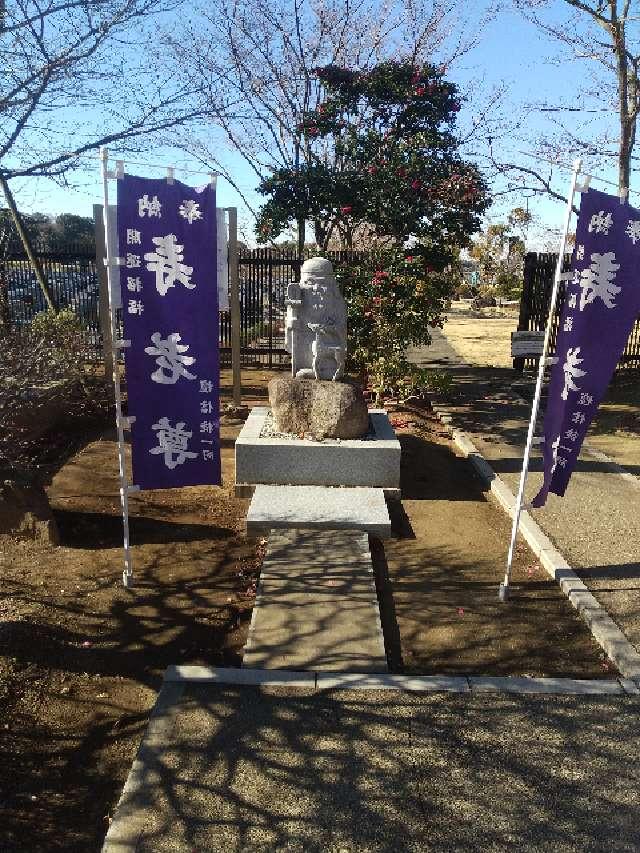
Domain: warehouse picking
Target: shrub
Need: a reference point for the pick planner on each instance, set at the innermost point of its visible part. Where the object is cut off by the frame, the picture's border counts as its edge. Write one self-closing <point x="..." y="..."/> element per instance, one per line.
<point x="392" y="298"/>
<point x="44" y="364"/>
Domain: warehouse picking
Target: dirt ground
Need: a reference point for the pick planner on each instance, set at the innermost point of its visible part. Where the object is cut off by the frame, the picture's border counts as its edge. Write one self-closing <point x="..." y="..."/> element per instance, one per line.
<point x="443" y="567"/>
<point x="83" y="657"/>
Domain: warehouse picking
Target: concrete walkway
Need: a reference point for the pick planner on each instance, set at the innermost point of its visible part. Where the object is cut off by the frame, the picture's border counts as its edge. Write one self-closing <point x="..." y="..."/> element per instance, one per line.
<point x="316" y="605"/>
<point x="596" y="525"/>
<point x="234" y="768"/>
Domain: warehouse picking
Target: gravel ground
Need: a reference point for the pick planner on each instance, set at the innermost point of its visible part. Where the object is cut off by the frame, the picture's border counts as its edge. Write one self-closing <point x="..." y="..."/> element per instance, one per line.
<point x="262" y="769"/>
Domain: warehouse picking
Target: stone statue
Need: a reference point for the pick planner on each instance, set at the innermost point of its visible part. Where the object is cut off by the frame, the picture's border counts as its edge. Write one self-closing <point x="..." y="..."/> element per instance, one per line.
<point x="316" y="323"/>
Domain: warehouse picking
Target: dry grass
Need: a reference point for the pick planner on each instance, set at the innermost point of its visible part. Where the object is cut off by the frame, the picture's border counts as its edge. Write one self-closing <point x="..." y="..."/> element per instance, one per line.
<point x="482" y="338"/>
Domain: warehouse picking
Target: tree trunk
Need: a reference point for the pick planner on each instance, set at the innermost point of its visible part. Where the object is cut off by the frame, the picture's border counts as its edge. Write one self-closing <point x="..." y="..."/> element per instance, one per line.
<point x="26" y="242"/>
<point x="627" y="115"/>
<point x="301" y="232"/>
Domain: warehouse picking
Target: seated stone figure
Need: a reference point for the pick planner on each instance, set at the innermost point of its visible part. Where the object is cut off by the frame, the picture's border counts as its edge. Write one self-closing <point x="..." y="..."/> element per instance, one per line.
<point x="316" y="323"/>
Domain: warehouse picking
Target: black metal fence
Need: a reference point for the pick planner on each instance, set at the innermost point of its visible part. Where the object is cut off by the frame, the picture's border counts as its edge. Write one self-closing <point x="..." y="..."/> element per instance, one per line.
<point x="70" y="270"/>
<point x="264" y="275"/>
<point x="539" y="270"/>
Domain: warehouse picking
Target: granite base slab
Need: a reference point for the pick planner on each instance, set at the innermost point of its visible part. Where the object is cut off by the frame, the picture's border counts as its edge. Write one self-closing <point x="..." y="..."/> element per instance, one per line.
<point x="318" y="508"/>
<point x="372" y="462"/>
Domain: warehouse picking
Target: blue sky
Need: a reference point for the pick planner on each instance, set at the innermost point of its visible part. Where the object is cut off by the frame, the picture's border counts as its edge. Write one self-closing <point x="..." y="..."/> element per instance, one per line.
<point x="512" y="54"/>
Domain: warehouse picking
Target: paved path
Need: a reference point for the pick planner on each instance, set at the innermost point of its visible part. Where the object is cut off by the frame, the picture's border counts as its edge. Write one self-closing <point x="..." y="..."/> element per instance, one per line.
<point x="597" y="523"/>
<point x="238" y="768"/>
<point x="316" y="605"/>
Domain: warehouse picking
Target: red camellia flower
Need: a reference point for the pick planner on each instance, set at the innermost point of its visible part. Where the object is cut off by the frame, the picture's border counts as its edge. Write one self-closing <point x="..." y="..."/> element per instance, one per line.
<point x="381" y="274"/>
<point x="420" y="90"/>
<point x="346" y="209"/>
<point x="416" y="185"/>
<point x="372" y="170"/>
<point x="410" y="259"/>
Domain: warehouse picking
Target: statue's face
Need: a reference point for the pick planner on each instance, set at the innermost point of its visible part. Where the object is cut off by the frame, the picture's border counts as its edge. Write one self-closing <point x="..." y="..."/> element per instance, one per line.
<point x="317" y="282"/>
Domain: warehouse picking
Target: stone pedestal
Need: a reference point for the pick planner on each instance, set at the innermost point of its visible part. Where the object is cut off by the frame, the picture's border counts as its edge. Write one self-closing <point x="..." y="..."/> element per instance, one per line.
<point x="373" y="461"/>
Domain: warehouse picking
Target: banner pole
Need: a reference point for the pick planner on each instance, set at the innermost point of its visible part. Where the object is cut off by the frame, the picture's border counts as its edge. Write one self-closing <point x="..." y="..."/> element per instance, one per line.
<point x="503" y="591"/>
<point x="234" y="298"/>
<point x="127" y="574"/>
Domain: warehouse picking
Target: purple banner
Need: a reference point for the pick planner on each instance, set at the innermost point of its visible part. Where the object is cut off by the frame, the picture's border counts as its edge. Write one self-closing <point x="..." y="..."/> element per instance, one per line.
<point x="602" y="303"/>
<point x="167" y="240"/>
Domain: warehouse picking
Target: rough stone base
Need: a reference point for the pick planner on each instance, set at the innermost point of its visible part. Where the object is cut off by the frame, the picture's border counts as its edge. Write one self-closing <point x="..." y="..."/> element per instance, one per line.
<point x="320" y="409"/>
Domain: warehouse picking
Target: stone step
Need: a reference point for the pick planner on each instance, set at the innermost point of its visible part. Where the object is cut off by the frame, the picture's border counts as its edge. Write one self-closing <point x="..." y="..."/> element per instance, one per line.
<point x="318" y="508"/>
<point x="316" y="605"/>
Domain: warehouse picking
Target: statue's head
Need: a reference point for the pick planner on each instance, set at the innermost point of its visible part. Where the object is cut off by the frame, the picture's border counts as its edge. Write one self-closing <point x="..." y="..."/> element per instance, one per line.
<point x="317" y="271"/>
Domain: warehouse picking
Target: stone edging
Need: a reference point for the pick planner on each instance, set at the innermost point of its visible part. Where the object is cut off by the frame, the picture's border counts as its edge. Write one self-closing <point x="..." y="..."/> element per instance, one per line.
<point x="605" y="631"/>
<point x="326" y="680"/>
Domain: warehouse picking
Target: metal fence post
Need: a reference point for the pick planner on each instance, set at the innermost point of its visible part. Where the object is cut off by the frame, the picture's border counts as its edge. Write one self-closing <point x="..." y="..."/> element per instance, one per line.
<point x="104" y="318"/>
<point x="234" y="304"/>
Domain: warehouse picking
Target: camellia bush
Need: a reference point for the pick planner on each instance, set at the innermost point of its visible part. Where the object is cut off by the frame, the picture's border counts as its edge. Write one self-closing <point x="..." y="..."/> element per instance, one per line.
<point x="382" y="158"/>
<point x="392" y="298"/>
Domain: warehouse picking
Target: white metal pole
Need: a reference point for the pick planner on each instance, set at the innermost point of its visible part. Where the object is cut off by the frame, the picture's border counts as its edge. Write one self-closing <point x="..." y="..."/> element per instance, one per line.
<point x="127" y="575"/>
<point x="503" y="592"/>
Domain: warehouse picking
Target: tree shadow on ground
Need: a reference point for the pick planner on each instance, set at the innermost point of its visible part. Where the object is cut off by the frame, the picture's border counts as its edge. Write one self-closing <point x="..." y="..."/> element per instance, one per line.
<point x="249" y="768"/>
<point x="88" y="530"/>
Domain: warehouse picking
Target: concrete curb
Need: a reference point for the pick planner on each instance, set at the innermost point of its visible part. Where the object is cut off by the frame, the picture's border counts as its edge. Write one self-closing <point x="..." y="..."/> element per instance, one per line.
<point x="605" y="631"/>
<point x="128" y="819"/>
<point x="394" y="681"/>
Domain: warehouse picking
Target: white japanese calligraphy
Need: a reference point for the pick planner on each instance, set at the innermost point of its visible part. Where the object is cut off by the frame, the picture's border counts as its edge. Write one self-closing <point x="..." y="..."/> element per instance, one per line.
<point x="190" y="210"/>
<point x="133" y="236"/>
<point x="572" y="371"/>
<point x="134" y="284"/>
<point x="136" y="306"/>
<point x="601" y="222"/>
<point x="633" y="230"/>
<point x="133" y="261"/>
<point x="173" y="442"/>
<point x="206" y="386"/>
<point x="170" y="358"/>
<point x="597" y="280"/>
<point x="167" y="264"/>
<point x="151" y="208"/>
<point x="558" y="460"/>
